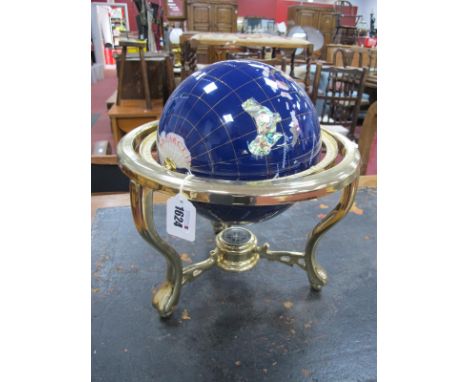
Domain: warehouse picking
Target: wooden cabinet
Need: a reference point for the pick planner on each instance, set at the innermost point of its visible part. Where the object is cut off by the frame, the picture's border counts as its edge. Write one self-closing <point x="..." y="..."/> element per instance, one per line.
<point x="211" y="16"/>
<point x="199" y="18"/>
<point x="225" y="18"/>
<point x="321" y="18"/>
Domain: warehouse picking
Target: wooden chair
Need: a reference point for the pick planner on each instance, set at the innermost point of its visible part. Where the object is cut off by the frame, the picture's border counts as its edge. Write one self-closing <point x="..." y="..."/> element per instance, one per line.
<point x="371" y="55"/>
<point x="366" y="138"/>
<point x="347" y="56"/>
<point x="259" y="55"/>
<point x="336" y="94"/>
<point x="345" y="32"/>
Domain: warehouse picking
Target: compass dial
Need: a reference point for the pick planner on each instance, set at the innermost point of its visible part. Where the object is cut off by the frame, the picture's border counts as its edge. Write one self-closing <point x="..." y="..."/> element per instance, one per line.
<point x="236" y="236"/>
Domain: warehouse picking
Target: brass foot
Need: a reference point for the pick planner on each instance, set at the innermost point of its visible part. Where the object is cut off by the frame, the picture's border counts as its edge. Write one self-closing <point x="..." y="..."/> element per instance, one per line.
<point x="161" y="299"/>
<point x="166" y="296"/>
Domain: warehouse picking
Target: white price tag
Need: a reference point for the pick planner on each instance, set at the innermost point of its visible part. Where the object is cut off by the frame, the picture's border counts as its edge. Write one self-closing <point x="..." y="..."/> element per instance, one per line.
<point x="181" y="217"/>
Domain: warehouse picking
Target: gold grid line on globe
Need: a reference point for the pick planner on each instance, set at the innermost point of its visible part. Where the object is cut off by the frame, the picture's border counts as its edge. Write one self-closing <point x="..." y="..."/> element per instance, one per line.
<point x="230" y="91"/>
<point x="242" y="112"/>
<point x="239" y="137"/>
<point x="220" y="100"/>
<point x="180" y="117"/>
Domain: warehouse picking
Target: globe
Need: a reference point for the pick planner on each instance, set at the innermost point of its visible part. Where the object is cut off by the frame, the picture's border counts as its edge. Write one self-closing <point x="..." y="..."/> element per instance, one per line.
<point x="239" y="120"/>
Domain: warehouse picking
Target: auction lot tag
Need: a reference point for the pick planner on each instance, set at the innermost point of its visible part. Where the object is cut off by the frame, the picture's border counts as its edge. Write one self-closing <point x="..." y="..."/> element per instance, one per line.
<point x="181" y="217"/>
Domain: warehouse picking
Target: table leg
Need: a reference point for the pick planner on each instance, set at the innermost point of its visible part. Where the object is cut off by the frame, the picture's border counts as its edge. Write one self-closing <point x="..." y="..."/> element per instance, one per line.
<point x="309" y="52"/>
<point x="189" y="59"/>
<point x="144" y="73"/>
<point x="123" y="56"/>
<point x="293" y="56"/>
<point x="166" y="295"/>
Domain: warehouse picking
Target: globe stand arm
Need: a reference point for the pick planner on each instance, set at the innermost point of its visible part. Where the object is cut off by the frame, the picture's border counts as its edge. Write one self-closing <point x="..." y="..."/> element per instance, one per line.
<point x="166" y="295"/>
<point x="308" y="260"/>
<point x="193" y="271"/>
<point x="285" y="257"/>
<point x="326" y="177"/>
<point x="317" y="275"/>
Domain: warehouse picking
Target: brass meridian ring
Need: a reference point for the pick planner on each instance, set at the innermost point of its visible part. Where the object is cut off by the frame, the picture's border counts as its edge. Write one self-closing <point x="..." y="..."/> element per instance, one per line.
<point x="136" y="161"/>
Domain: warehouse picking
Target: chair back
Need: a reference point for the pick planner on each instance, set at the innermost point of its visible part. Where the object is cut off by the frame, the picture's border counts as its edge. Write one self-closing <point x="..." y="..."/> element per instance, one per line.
<point x="278" y="60"/>
<point x="344" y="11"/>
<point x="371" y="62"/>
<point x="346" y="57"/>
<point x="336" y="94"/>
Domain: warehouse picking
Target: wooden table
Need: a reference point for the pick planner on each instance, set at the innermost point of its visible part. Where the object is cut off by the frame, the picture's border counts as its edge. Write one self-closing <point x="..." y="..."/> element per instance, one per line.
<point x="123" y="199"/>
<point x="224" y="42"/>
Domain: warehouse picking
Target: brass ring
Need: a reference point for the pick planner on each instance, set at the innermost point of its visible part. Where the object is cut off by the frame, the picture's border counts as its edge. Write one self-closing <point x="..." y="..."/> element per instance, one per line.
<point x="136" y="161"/>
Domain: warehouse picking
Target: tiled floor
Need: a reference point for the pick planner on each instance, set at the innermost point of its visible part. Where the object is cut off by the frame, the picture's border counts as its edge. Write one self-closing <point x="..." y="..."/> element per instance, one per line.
<point x="100" y="122"/>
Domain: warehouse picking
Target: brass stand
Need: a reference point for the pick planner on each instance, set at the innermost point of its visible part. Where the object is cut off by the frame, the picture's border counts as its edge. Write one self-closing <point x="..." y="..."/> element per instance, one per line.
<point x="236" y="247"/>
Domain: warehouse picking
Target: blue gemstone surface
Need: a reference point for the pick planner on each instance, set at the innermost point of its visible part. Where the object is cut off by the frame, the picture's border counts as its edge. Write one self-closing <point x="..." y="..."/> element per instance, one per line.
<point x="239" y="120"/>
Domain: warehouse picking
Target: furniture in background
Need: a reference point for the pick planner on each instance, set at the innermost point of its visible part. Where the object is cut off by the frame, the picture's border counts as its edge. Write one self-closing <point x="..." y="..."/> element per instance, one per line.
<point x="211" y="16"/>
<point x="337" y="94"/>
<point x="131" y="114"/>
<point x="141" y="45"/>
<point x="370" y="86"/>
<point x="160" y="85"/>
<point x="346" y="23"/>
<point x="137" y="102"/>
<point x="256" y="55"/>
<point x="350" y="55"/>
<point x="226" y="43"/>
<point x="366" y="137"/>
<point x="344" y="57"/>
<point x="356" y="56"/>
<point x="321" y="18"/>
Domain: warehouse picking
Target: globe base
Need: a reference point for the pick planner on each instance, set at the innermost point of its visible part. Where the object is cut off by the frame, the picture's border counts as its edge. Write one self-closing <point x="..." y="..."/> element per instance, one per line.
<point x="236" y="249"/>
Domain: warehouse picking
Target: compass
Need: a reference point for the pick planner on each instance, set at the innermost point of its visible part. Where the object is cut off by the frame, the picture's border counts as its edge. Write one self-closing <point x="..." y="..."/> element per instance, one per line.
<point x="236" y="236"/>
<point x="236" y="249"/>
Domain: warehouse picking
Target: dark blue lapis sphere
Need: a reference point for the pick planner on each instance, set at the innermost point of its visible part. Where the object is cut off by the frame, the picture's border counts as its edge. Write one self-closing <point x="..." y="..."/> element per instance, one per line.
<point x="239" y="120"/>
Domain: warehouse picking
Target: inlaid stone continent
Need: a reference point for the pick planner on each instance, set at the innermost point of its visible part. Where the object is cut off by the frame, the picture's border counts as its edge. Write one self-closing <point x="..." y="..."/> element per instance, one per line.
<point x="239" y="120"/>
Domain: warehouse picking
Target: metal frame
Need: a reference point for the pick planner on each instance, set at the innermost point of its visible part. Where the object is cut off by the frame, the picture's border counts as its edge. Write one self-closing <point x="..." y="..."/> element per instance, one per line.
<point x="147" y="176"/>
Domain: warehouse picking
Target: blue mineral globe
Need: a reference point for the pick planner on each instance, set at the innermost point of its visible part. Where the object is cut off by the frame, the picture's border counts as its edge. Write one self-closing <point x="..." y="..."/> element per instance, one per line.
<point x="239" y="120"/>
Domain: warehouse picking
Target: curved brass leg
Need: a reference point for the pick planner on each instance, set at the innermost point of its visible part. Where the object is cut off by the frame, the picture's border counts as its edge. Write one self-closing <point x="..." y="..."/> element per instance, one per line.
<point x="317" y="275"/>
<point x="166" y="296"/>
